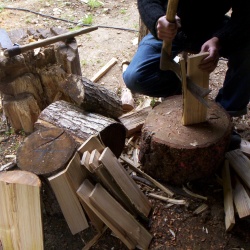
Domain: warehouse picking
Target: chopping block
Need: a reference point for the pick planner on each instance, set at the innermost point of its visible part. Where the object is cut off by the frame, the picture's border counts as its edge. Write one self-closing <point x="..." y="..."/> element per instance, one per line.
<point x="178" y="154"/>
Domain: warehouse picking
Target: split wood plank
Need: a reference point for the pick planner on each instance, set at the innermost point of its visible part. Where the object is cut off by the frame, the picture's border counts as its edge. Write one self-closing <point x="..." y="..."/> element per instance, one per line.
<point x="241" y="199"/>
<point x="107" y="180"/>
<point x="134" y="120"/>
<point x="84" y="192"/>
<point x="193" y="111"/>
<point x="90" y="144"/>
<point x="119" y="217"/>
<point x="228" y="197"/>
<point x="20" y="217"/>
<point x="85" y="161"/>
<point x="94" y="159"/>
<point x="61" y="184"/>
<point x="104" y="70"/>
<point x="76" y="175"/>
<point x="241" y="165"/>
<point x="135" y="168"/>
<point x="125" y="182"/>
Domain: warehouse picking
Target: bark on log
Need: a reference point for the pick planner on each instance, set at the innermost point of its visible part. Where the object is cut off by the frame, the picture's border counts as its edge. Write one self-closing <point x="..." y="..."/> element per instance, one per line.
<point x="176" y="153"/>
<point x="81" y="125"/>
<point x="143" y="30"/>
<point x="46" y="152"/>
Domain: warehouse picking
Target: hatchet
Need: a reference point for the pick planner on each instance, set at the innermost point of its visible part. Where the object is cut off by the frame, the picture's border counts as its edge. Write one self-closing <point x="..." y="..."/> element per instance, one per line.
<point x="167" y="63"/>
<point x="13" y="50"/>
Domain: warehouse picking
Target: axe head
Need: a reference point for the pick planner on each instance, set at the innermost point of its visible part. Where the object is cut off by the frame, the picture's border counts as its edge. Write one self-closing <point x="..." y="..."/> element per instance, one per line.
<point x="5" y="42"/>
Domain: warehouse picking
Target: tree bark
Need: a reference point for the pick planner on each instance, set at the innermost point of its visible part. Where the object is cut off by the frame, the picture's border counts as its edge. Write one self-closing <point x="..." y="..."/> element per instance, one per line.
<point x="177" y="154"/>
<point x="81" y="125"/>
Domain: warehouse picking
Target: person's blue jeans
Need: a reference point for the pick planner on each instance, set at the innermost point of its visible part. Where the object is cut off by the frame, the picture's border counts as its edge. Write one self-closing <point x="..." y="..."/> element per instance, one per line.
<point x="144" y="76"/>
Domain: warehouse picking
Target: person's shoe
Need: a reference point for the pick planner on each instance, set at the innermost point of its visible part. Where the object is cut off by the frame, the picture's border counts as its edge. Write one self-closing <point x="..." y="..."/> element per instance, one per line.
<point x="235" y="141"/>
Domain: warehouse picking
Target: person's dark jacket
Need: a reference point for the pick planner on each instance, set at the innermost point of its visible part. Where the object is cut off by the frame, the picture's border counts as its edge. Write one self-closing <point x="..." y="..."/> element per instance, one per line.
<point x="200" y="18"/>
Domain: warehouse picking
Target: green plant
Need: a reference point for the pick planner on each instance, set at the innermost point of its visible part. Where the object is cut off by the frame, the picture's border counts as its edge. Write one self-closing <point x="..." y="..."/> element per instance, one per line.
<point x="123" y="11"/>
<point x="88" y="19"/>
<point x="94" y="4"/>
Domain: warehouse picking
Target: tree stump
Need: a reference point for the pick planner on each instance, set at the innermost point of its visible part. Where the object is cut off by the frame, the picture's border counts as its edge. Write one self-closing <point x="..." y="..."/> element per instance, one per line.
<point x="177" y="154"/>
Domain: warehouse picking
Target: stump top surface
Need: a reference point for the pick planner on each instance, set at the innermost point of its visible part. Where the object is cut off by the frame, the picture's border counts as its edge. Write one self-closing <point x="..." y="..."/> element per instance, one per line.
<point x="165" y="122"/>
<point x="45" y="152"/>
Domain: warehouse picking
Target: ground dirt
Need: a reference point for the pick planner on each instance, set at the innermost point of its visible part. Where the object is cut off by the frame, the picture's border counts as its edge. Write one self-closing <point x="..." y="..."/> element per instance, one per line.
<point x="172" y="227"/>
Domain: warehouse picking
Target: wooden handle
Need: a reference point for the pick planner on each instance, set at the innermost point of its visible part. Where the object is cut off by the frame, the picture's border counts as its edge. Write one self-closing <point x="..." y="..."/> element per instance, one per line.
<point x="16" y="50"/>
<point x="167" y="45"/>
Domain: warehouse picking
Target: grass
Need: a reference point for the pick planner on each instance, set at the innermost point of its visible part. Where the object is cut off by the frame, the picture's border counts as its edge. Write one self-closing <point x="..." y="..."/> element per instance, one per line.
<point x="88" y="19"/>
<point x="94" y="4"/>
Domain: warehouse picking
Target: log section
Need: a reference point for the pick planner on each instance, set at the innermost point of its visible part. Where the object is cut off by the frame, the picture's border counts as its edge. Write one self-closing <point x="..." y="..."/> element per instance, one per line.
<point x="176" y="153"/>
<point x="81" y="125"/>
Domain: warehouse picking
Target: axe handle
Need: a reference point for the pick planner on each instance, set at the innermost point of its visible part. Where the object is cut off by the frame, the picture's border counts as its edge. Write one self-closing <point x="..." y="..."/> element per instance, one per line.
<point x="18" y="49"/>
<point x="167" y="45"/>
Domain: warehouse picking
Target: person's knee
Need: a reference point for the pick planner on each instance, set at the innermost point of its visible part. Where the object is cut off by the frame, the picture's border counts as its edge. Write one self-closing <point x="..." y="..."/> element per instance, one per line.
<point x="130" y="78"/>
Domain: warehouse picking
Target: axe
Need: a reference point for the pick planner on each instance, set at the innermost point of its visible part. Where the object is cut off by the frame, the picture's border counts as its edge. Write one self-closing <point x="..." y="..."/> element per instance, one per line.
<point x="13" y="50"/>
<point x="167" y="63"/>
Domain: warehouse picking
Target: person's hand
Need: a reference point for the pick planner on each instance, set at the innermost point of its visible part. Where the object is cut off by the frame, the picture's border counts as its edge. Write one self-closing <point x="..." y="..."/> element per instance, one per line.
<point x="210" y="62"/>
<point x="165" y="30"/>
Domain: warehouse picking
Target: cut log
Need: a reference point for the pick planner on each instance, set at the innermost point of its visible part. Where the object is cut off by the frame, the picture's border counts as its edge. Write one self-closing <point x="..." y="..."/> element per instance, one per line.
<point x="22" y="112"/>
<point x="240" y="164"/>
<point x="143" y="30"/>
<point x="20" y="217"/>
<point x="81" y="125"/>
<point x="134" y="120"/>
<point x="64" y="185"/>
<point x="125" y="182"/>
<point x="46" y="152"/>
<point x="177" y="154"/>
<point x="228" y="197"/>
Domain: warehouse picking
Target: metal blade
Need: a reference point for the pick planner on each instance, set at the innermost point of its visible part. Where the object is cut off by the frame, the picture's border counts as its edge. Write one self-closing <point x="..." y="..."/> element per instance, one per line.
<point x="5" y="41"/>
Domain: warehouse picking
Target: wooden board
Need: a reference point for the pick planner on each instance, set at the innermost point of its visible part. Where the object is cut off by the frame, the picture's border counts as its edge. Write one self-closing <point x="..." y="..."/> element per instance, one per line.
<point x="125" y="182"/>
<point x="228" y="197"/>
<point x="20" y="216"/>
<point x="241" y="199"/>
<point x="193" y="111"/>
<point x="240" y="164"/>
<point x="90" y="144"/>
<point x="118" y="216"/>
<point x="84" y="192"/>
<point x="46" y="152"/>
<point x="64" y="187"/>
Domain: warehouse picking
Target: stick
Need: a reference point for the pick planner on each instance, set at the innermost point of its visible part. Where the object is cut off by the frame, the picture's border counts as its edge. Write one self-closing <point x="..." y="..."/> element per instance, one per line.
<point x="156" y="183"/>
<point x="173" y="201"/>
<point x="104" y="70"/>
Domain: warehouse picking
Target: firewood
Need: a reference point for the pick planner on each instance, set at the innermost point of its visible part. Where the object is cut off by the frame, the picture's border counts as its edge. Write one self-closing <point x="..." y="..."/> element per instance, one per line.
<point x="22" y="112"/>
<point x="81" y="125"/>
<point x="90" y="144"/>
<point x="241" y="165"/>
<point x="241" y="199"/>
<point x="104" y="70"/>
<point x="107" y="180"/>
<point x="193" y="194"/>
<point x="228" y="197"/>
<point x="84" y="191"/>
<point x="46" y="152"/>
<point x="193" y="111"/>
<point x="125" y="222"/>
<point x="64" y="188"/>
<point x="85" y="161"/>
<point x="125" y="182"/>
<point x="94" y="159"/>
<point x="20" y="217"/>
<point x="134" y="120"/>
<point x="127" y="99"/>
<point x="136" y="169"/>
